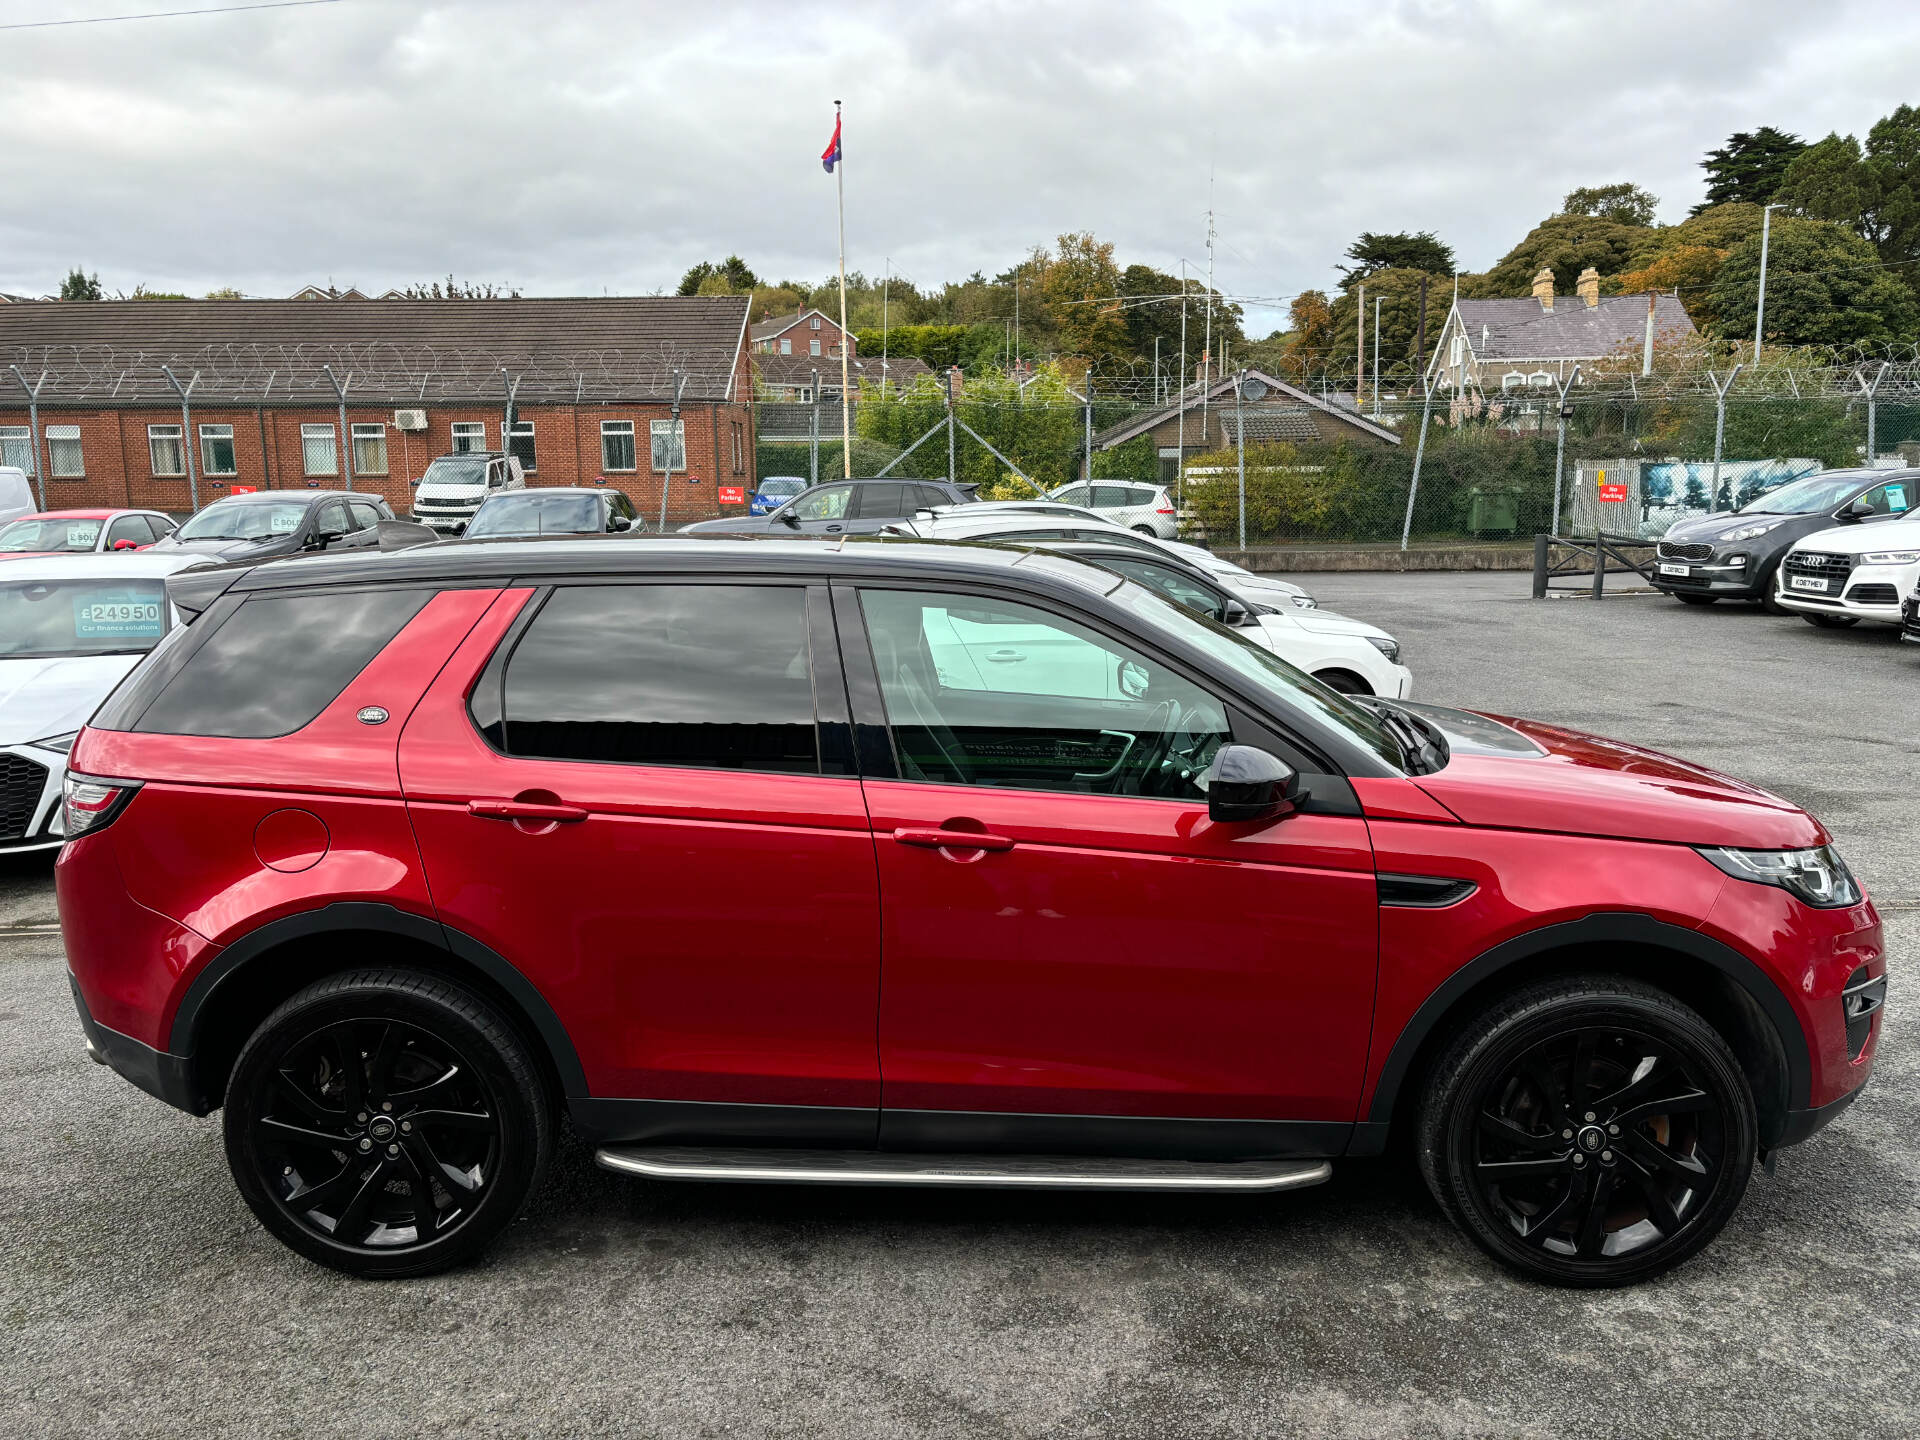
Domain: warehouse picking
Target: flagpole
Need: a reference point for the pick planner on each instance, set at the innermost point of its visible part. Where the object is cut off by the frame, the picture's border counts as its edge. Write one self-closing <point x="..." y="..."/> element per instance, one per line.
<point x="846" y="401"/>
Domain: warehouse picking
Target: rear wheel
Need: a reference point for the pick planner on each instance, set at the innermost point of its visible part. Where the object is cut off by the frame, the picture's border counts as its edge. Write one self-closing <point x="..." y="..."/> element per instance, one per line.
<point x="1589" y="1132"/>
<point x="386" y="1123"/>
<point x="1345" y="681"/>
<point x="1145" y="530"/>
<point x="1830" y="622"/>
<point x="1695" y="599"/>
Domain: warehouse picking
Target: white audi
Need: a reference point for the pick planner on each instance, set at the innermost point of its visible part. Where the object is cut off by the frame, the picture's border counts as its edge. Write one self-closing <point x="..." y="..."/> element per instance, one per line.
<point x="1839" y="577"/>
<point x="71" y="626"/>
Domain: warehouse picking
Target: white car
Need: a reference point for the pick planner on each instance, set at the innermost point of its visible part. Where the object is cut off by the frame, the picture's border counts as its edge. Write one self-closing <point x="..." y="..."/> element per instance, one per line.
<point x="1149" y="509"/>
<point x="454" y="486"/>
<point x="1839" y="577"/>
<point x="1247" y="584"/>
<point x="71" y="626"/>
<point x="16" y="494"/>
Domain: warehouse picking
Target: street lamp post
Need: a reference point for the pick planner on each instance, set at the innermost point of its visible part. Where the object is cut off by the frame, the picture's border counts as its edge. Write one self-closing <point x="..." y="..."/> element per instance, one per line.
<point x="1760" y="310"/>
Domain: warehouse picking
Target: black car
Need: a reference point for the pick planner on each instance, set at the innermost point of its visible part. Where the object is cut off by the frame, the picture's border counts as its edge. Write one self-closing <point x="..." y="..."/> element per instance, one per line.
<point x="1735" y="556"/>
<point x="845" y="507"/>
<point x="555" y="511"/>
<point x="271" y="523"/>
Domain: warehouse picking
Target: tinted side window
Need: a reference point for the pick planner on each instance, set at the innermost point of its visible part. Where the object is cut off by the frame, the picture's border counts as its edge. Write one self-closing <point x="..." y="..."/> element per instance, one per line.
<point x="365" y="513"/>
<point x="1167" y="581"/>
<point x="239" y="684"/>
<point x="880" y="502"/>
<point x="829" y="502"/>
<point x="129" y="527"/>
<point x="714" y="677"/>
<point x="333" y="519"/>
<point x="1111" y="497"/>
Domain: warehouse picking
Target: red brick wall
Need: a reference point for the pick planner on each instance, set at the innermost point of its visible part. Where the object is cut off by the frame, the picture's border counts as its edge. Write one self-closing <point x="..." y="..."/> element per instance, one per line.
<point x="803" y="334"/>
<point x="566" y="451"/>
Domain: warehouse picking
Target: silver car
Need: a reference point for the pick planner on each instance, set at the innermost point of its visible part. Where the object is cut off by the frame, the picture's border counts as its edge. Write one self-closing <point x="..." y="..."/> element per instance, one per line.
<point x="1146" y="508"/>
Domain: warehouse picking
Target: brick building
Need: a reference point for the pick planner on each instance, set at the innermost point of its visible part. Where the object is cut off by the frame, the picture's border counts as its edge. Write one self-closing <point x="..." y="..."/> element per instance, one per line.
<point x="596" y="379"/>
<point x="810" y="334"/>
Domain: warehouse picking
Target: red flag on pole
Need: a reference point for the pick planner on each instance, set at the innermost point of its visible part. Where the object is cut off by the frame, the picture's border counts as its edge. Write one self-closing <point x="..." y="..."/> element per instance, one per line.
<point x="830" y="156"/>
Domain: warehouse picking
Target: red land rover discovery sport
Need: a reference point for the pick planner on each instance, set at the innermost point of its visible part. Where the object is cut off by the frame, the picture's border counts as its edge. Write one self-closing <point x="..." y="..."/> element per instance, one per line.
<point x="889" y="862"/>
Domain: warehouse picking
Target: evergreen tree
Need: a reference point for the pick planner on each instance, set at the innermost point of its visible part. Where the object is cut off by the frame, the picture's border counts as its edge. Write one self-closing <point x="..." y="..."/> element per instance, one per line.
<point x="1749" y="167"/>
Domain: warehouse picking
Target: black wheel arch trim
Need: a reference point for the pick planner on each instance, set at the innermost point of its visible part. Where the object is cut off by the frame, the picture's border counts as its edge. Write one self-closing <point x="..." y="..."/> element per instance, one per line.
<point x="361" y="915"/>
<point x="1608" y="927"/>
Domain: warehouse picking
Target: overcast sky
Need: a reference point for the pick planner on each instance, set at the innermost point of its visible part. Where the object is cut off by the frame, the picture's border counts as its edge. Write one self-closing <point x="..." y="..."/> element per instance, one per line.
<point x="571" y="147"/>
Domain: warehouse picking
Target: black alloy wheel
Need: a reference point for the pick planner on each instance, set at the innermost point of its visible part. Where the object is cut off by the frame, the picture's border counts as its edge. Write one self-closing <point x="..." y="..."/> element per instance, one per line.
<point x="1830" y="622"/>
<point x="1590" y="1132"/>
<point x="385" y="1123"/>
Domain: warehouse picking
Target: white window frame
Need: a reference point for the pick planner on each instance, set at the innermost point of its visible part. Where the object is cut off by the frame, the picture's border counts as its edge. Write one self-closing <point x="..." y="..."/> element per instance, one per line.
<point x="466" y="430"/>
<point x="672" y="430"/>
<point x="215" y="432"/>
<point x="814" y="322"/>
<point x="524" y="429"/>
<point x="58" y="436"/>
<point x="166" y="435"/>
<point x="1540" y="379"/>
<point x="619" y="429"/>
<point x="786" y="345"/>
<point x="14" y="439"/>
<point x="1512" y="380"/>
<point x="813" y="349"/>
<point x="311" y="435"/>
<point x="364" y="432"/>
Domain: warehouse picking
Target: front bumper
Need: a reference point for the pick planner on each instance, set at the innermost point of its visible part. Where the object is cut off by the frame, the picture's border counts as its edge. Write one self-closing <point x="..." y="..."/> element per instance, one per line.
<point x="1714" y="576"/>
<point x="162" y="1075"/>
<point x="1883" y="586"/>
<point x="30" y="812"/>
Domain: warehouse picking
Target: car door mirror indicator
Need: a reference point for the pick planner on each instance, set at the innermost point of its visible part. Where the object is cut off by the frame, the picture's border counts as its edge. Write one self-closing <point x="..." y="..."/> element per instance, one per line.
<point x="1246" y="784"/>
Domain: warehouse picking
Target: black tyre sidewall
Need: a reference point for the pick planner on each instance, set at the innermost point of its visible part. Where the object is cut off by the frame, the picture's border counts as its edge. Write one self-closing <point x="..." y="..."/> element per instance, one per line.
<point x="1485" y="1052"/>
<point x="483" y="1039"/>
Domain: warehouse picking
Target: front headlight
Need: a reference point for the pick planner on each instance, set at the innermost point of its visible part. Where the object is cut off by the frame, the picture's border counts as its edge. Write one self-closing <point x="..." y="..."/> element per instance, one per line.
<point x="59" y="744"/>
<point x="1819" y="877"/>
<point x="1890" y="557"/>
<point x="1305" y="602"/>
<point x="1386" y="645"/>
<point x="1749" y="532"/>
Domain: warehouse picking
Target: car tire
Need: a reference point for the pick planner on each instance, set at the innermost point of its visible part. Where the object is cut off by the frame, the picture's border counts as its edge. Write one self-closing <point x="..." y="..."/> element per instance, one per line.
<point x="1506" y="1145"/>
<point x="399" y="1102"/>
<point x="1147" y="530"/>
<point x="1345" y="681"/>
<point x="1696" y="599"/>
<point x="1769" y="596"/>
<point x="1830" y="622"/>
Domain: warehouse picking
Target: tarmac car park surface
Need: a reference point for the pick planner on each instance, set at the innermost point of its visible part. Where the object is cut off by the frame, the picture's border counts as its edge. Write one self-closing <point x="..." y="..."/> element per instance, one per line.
<point x="138" y="1296"/>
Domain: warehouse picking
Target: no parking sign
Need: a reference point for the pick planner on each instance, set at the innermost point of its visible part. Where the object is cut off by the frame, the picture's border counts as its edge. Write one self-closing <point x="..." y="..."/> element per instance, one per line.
<point x="1612" y="492"/>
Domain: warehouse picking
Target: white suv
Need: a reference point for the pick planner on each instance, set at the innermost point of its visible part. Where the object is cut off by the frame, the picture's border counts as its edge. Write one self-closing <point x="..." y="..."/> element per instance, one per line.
<point x="454" y="486"/>
<point x="1146" y="508"/>
<point x="1839" y="577"/>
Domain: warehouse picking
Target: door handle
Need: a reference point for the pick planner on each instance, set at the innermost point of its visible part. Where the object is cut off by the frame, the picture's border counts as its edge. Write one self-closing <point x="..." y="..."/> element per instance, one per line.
<point x="953" y="840"/>
<point x="524" y="810"/>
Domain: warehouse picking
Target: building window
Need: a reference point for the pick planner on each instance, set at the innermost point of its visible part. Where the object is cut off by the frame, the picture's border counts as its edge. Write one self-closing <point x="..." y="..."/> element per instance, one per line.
<point x="813" y="348"/>
<point x="814" y="322"/>
<point x="616" y="445"/>
<point x="521" y="444"/>
<point x="469" y="436"/>
<point x="370" y="449"/>
<point x="669" y="444"/>
<point x="786" y="347"/>
<point x="63" y="452"/>
<point x="319" y="450"/>
<point x="165" y="450"/>
<point x="216" y="449"/>
<point x="16" y="447"/>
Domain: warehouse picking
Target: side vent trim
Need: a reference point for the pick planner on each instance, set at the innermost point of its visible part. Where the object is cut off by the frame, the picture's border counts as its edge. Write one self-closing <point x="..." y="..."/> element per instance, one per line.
<point x="1423" y="892"/>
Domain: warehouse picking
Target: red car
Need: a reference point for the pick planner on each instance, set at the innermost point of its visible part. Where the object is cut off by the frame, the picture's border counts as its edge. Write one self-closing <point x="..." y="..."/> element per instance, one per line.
<point x="82" y="532"/>
<point x="898" y="863"/>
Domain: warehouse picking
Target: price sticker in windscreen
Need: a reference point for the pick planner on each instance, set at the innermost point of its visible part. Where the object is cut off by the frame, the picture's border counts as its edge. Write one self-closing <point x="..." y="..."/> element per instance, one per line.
<point x="118" y="615"/>
<point x="283" y="522"/>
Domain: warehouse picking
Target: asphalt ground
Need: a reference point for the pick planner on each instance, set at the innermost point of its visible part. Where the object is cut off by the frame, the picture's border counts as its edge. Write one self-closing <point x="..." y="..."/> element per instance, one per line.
<point x="138" y="1296"/>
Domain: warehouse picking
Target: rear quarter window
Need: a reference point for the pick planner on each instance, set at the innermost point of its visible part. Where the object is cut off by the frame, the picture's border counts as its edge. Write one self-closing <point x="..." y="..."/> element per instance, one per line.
<point x="272" y="665"/>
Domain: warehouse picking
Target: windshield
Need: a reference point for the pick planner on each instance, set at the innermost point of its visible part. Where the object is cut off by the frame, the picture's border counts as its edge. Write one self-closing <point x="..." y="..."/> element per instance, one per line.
<point x="245" y="520"/>
<point x="538" y="515"/>
<point x="1289" y="690"/>
<point x="42" y="619"/>
<point x="52" y="533"/>
<point x="1804" y="497"/>
<point x="781" y="489"/>
<point x="456" y="470"/>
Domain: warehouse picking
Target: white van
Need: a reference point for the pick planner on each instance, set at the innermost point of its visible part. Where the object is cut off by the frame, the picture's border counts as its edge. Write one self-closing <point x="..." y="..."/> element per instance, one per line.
<point x="16" y="495"/>
<point x="454" y="486"/>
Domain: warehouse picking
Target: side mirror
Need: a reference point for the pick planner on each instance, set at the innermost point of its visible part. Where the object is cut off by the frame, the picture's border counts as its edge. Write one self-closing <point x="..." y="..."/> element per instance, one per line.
<point x="1236" y="614"/>
<point x="621" y="523"/>
<point x="1854" y="510"/>
<point x="790" y="517"/>
<point x="126" y="544"/>
<point x="320" y="539"/>
<point x="1246" y="784"/>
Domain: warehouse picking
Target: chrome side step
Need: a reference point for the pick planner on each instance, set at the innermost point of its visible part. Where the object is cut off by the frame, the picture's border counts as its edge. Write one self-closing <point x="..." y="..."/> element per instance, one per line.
<point x="1012" y="1172"/>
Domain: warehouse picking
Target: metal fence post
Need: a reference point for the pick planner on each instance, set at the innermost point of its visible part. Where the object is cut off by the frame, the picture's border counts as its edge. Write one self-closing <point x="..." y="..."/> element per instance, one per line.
<point x="346" y="434"/>
<point x="1240" y="445"/>
<point x="813" y="432"/>
<point x="1872" y="392"/>
<point x="673" y="435"/>
<point x="40" y="467"/>
<point x="1541" y="546"/>
<point x="186" y="430"/>
<point x="1719" y="432"/>
<point x="1419" y="454"/>
<point x="952" y="473"/>
<point x="1560" y="441"/>
<point x="1088" y="476"/>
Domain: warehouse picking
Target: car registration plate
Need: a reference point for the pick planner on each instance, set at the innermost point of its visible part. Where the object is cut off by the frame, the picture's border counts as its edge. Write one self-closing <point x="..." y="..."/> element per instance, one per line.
<point x="1680" y="570"/>
<point x="1807" y="582"/>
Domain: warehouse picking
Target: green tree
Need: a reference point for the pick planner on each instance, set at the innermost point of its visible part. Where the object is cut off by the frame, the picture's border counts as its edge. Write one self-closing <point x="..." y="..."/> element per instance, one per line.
<point x="1893" y="162"/>
<point x="1824" y="287"/>
<point x="1749" y="168"/>
<point x="461" y="290"/>
<point x="1828" y="181"/>
<point x="1398" y="291"/>
<point x="1082" y="288"/>
<point x="1372" y="253"/>
<point x="1624" y="202"/>
<point x="733" y="271"/>
<point x="81" y="286"/>
<point x="1149" y="319"/>
<point x="1565" y="244"/>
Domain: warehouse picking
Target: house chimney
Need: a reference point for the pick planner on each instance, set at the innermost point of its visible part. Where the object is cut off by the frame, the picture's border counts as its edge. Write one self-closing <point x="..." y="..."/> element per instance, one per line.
<point x="1587" y="287"/>
<point x="956" y="379"/>
<point x="1543" y="288"/>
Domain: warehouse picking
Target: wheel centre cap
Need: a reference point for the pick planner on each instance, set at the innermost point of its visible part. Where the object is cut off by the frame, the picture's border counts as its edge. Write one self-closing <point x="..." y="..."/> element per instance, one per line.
<point x="381" y="1127"/>
<point x="1592" y="1138"/>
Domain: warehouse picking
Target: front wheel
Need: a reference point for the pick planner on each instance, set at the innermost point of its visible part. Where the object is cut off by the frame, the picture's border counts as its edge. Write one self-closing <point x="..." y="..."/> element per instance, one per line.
<point x="386" y="1123"/>
<point x="1345" y="681"/>
<point x="1589" y="1132"/>
<point x="1830" y="622"/>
